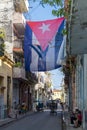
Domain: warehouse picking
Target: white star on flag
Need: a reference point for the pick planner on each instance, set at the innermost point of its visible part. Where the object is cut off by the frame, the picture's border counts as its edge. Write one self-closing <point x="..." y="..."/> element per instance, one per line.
<point x="44" y="27"/>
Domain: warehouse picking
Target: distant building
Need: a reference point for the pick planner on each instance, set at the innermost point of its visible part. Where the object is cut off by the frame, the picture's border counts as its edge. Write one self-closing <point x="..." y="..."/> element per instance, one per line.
<point x="56" y="94"/>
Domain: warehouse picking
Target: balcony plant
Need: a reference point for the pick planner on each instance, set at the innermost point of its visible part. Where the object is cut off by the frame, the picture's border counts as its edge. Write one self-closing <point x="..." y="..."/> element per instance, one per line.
<point x="18" y="64"/>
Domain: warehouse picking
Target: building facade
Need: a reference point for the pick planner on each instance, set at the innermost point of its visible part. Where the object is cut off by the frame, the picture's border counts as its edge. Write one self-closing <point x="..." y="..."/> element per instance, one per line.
<point x="57" y="94"/>
<point x="6" y="60"/>
<point x="16" y="86"/>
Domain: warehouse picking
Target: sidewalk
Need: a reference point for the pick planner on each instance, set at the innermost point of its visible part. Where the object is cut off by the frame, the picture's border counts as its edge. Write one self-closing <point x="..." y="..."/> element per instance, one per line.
<point x="68" y="125"/>
<point x="9" y="120"/>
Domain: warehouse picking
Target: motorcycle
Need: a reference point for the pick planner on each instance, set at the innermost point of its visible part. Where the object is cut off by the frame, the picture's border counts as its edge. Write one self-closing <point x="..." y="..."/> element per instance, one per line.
<point x="39" y="107"/>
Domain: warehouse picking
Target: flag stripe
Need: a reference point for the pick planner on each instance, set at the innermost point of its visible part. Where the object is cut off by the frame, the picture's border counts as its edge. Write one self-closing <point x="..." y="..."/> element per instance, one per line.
<point x="58" y="43"/>
<point x="35" y="54"/>
<point x="50" y="57"/>
<point x="27" y="50"/>
<point x="61" y="52"/>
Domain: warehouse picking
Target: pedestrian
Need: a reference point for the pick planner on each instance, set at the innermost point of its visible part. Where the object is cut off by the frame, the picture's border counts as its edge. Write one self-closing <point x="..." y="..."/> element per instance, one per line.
<point x="62" y="106"/>
<point x="78" y="121"/>
<point x="72" y="118"/>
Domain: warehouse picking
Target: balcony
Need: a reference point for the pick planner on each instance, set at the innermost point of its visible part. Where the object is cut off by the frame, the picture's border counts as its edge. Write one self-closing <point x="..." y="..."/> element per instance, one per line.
<point x="17" y="47"/>
<point x="17" y="44"/>
<point x="32" y="78"/>
<point x="21" y="5"/>
<point x="19" y="24"/>
<point x="19" y="72"/>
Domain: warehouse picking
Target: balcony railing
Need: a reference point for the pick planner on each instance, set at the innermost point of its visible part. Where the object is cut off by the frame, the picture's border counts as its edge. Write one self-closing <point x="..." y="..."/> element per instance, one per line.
<point x="19" y="72"/>
<point x="17" y="44"/>
<point x="32" y="78"/>
<point x="21" y="5"/>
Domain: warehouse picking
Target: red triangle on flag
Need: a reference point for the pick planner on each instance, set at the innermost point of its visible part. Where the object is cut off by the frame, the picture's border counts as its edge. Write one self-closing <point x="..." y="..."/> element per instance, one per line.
<point x="45" y="30"/>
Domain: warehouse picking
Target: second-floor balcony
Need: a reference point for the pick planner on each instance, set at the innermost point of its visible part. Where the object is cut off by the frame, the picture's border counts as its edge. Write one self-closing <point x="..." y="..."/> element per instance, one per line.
<point x="17" y="46"/>
<point x="18" y="24"/>
<point x="21" y="5"/>
<point x="19" y="72"/>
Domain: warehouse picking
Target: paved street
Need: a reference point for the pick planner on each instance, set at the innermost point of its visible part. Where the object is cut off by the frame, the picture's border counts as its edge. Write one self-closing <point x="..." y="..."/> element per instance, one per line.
<point x="37" y="121"/>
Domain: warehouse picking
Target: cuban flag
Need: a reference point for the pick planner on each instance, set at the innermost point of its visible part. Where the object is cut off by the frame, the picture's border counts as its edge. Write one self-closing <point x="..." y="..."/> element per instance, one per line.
<point x="44" y="44"/>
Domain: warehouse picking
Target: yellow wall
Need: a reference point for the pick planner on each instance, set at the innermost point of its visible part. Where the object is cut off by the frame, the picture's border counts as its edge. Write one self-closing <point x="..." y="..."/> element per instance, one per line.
<point x="5" y="70"/>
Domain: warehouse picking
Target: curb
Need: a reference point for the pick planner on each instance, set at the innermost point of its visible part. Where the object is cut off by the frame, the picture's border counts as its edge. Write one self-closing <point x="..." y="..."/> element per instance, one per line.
<point x="7" y="122"/>
<point x="3" y="123"/>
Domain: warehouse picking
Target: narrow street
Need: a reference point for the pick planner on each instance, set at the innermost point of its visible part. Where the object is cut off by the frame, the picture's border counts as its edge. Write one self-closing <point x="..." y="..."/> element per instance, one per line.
<point x="37" y="121"/>
<point x="43" y="64"/>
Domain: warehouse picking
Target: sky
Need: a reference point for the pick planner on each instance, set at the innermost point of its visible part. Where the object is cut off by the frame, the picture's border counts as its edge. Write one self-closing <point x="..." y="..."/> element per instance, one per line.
<point x="57" y="78"/>
<point x="39" y="13"/>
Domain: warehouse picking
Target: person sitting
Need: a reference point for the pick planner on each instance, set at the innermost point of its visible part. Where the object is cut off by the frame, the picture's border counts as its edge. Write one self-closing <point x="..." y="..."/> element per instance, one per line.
<point x="72" y="118"/>
<point x="78" y="121"/>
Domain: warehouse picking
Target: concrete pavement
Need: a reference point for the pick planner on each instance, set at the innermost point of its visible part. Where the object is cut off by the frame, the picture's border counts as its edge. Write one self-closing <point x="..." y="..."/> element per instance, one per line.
<point x="70" y="127"/>
<point x="66" y="116"/>
<point x="37" y="121"/>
